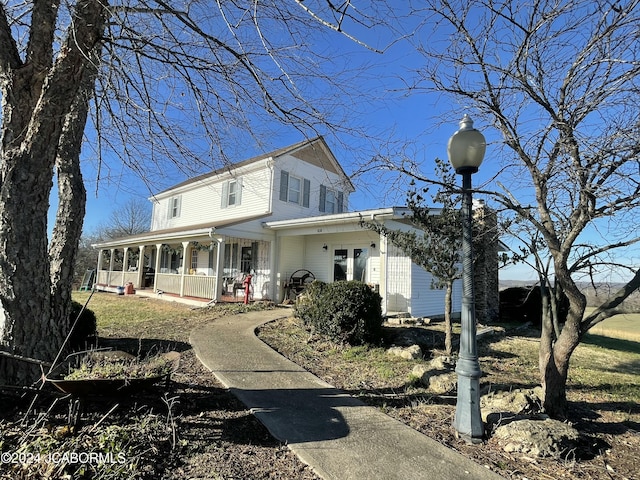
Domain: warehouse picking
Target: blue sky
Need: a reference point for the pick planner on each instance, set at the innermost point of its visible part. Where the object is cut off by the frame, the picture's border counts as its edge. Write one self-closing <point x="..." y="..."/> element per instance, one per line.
<point x="388" y="110"/>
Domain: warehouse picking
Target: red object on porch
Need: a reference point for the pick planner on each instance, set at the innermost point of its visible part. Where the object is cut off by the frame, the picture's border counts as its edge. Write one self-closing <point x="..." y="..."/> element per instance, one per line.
<point x="128" y="289"/>
<point x="247" y="288"/>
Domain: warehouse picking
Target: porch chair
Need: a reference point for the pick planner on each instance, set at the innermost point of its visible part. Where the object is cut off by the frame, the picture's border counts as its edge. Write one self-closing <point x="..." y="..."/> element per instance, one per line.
<point x="238" y="284"/>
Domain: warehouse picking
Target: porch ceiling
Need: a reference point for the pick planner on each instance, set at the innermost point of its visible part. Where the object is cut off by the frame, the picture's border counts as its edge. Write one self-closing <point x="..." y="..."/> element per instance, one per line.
<point x="176" y="234"/>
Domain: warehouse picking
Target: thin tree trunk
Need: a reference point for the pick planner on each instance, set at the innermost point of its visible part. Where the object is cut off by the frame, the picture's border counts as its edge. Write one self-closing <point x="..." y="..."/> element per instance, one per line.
<point x="448" y="329"/>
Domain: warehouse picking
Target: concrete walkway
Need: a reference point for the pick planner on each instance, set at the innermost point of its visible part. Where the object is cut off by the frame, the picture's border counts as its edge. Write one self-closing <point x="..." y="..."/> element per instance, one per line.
<point x="334" y="433"/>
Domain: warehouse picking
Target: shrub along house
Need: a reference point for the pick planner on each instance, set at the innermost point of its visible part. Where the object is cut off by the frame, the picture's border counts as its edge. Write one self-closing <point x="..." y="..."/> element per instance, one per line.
<point x="275" y="216"/>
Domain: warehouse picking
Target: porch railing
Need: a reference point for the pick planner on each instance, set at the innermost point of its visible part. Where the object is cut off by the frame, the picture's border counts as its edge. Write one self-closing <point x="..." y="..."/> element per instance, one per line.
<point x="168" y="282"/>
<point x="200" y="286"/>
<point x="116" y="277"/>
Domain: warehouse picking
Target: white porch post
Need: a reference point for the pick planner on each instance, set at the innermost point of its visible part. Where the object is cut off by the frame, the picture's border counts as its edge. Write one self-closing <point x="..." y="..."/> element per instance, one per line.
<point x="125" y="264"/>
<point x="155" y="275"/>
<point x="99" y="264"/>
<point x="140" y="267"/>
<point x="219" y="267"/>
<point x="111" y="262"/>
<point x="384" y="293"/>
<point x="185" y="246"/>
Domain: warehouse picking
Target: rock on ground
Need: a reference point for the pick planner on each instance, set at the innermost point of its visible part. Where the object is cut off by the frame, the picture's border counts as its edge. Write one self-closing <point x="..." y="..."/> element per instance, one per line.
<point x="538" y="438"/>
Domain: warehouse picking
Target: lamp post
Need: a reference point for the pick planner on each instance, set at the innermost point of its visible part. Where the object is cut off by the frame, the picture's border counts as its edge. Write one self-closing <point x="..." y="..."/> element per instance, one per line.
<point x="466" y="150"/>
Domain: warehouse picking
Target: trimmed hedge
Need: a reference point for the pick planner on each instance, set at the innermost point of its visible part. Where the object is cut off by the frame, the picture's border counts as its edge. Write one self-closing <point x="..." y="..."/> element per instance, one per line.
<point x="346" y="311"/>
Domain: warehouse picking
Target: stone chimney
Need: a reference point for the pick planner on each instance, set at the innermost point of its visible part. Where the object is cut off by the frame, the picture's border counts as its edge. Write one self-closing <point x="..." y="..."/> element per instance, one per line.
<point x="486" y="250"/>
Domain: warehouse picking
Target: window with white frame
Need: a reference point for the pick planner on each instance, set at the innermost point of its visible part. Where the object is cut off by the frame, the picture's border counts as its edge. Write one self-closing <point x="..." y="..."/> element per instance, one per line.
<point x="331" y="201"/>
<point x="174" y="207"/>
<point x="232" y="192"/>
<point x="294" y="189"/>
<point x="194" y="259"/>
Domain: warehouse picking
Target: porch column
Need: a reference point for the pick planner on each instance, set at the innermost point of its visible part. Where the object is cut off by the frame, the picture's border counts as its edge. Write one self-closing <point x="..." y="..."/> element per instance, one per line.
<point x="141" y="267"/>
<point x="155" y="275"/>
<point x="383" y="273"/>
<point x="100" y="252"/>
<point x="111" y="261"/>
<point x="219" y="267"/>
<point x="125" y="264"/>
<point x="185" y="246"/>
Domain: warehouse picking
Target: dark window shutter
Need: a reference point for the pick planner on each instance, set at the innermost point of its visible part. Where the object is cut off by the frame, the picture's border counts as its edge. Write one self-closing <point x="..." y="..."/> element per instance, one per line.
<point x="340" y="202"/>
<point x="323" y="198"/>
<point x="284" y="185"/>
<point x="225" y="195"/>
<point x="305" y="193"/>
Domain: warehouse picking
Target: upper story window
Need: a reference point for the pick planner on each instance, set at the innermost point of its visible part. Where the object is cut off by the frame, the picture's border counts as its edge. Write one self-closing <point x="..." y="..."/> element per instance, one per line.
<point x="331" y="201"/>
<point x="232" y="192"/>
<point x="174" y="207"/>
<point x="294" y="189"/>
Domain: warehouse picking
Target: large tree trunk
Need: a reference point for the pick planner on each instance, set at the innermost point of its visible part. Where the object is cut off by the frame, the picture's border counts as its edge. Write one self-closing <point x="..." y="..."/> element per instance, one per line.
<point x="72" y="198"/>
<point x="27" y="326"/>
<point x="556" y="350"/>
<point x="554" y="368"/>
<point x="37" y="101"/>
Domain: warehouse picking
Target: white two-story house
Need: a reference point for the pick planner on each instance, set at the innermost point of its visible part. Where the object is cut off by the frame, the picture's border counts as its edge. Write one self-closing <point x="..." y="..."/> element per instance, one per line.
<point x="275" y="216"/>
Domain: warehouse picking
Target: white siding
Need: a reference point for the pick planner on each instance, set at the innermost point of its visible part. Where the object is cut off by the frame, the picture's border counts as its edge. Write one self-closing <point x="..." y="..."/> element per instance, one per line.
<point x="317" y="258"/>
<point x="320" y="261"/>
<point x="202" y="203"/>
<point x="260" y="193"/>
<point x="409" y="288"/>
<point x="316" y="176"/>
<point x="425" y="300"/>
<point x="291" y="256"/>
<point x="398" y="280"/>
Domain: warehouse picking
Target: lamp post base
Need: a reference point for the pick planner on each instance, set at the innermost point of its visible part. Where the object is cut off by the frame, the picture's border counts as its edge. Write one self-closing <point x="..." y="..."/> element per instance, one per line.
<point x="468" y="419"/>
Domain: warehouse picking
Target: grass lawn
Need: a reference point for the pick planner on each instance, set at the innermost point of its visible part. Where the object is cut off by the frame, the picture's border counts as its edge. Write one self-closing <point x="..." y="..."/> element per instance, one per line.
<point x="625" y="326"/>
<point x="602" y="388"/>
<point x="142" y="317"/>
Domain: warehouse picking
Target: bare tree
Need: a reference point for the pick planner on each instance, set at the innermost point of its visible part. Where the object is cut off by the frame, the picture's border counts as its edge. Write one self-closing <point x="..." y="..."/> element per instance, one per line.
<point x="130" y="219"/>
<point x="559" y="82"/>
<point x="436" y="244"/>
<point x="154" y="81"/>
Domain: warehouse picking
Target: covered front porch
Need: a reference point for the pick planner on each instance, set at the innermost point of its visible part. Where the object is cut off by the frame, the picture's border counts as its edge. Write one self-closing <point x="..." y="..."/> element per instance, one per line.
<point x="203" y="268"/>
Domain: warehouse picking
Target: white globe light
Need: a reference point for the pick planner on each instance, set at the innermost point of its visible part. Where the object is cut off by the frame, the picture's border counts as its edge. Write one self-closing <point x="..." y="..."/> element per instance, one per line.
<point x="466" y="147"/>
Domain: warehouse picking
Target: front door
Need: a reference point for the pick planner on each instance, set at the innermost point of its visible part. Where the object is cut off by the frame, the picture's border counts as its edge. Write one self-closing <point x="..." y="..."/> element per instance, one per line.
<point x="350" y="263"/>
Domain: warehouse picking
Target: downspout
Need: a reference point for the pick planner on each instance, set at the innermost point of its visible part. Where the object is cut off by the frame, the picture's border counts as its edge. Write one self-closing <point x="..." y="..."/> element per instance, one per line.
<point x="275" y="241"/>
<point x="274" y="273"/>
